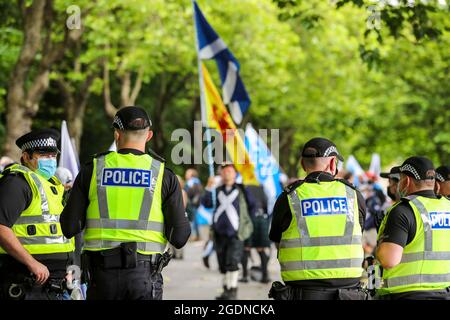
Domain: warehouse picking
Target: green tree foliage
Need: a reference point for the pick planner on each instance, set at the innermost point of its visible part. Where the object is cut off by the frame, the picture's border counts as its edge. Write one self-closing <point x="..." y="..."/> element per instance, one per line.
<point x="310" y="67"/>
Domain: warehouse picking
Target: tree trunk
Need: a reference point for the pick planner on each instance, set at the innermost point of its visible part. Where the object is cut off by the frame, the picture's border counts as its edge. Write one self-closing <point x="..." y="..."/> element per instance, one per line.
<point x="18" y="119"/>
<point x="23" y="104"/>
<point x="75" y="102"/>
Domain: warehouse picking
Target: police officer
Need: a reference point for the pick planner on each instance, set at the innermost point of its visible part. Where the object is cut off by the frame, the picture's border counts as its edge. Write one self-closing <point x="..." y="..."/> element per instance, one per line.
<point x="317" y="226"/>
<point x="392" y="191"/>
<point x="414" y="238"/>
<point x="442" y="186"/>
<point x="129" y="205"/>
<point x="34" y="253"/>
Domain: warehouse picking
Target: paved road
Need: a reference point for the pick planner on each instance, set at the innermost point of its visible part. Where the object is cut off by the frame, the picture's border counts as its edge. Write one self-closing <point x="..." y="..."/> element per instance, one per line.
<point x="189" y="279"/>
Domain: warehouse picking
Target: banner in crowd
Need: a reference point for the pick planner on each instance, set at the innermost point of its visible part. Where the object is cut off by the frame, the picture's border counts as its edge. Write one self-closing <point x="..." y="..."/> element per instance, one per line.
<point x="211" y="46"/>
<point x="267" y="169"/>
<point x="69" y="157"/>
<point x="219" y="119"/>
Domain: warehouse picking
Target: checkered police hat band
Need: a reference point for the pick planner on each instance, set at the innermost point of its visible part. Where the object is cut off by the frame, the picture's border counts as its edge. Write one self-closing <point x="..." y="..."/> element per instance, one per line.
<point x="439" y="177"/>
<point x="118" y="122"/>
<point x="40" y="143"/>
<point x="410" y="168"/>
<point x="330" y="150"/>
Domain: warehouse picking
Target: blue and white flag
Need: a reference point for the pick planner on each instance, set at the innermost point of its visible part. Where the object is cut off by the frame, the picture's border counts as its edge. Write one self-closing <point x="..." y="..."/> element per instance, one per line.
<point x="69" y="157"/>
<point x="211" y="46"/>
<point x="267" y="170"/>
<point x="204" y="215"/>
<point x="355" y="168"/>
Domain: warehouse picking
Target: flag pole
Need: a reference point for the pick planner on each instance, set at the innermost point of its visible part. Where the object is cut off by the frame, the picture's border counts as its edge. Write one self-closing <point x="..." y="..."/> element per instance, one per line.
<point x="203" y="108"/>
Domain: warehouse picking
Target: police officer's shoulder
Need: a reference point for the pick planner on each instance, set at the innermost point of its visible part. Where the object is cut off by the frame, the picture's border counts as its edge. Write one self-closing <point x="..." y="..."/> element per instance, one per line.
<point x="95" y="156"/>
<point x="98" y="155"/>
<point x="294" y="185"/>
<point x="351" y="185"/>
<point x="156" y="156"/>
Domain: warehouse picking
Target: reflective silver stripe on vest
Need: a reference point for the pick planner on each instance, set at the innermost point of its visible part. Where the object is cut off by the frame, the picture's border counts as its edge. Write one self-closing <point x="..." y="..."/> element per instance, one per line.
<point x="101" y="190"/>
<point x="426" y="224"/>
<point x="320" y="241"/>
<point x="45" y="218"/>
<point x="428" y="255"/>
<point x="147" y="201"/>
<point x="320" y="264"/>
<point x="44" y="240"/>
<point x="124" y="224"/>
<point x="143" y="246"/>
<point x="306" y="241"/>
<point x="44" y="201"/>
<point x="301" y="221"/>
<point x="421" y="278"/>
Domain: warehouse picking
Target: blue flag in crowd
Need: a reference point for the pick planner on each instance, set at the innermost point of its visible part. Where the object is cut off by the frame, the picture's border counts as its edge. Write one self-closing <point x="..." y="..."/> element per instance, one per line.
<point x="267" y="169"/>
<point x="211" y="46"/>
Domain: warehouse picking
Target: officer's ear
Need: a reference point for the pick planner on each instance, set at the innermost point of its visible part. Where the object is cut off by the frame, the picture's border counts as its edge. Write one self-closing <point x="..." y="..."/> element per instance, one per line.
<point x="149" y="135"/>
<point x="116" y="135"/>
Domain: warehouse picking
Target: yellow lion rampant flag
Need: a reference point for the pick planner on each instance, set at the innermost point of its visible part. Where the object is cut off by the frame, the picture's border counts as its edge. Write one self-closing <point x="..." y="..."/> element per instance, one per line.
<point x="219" y="119"/>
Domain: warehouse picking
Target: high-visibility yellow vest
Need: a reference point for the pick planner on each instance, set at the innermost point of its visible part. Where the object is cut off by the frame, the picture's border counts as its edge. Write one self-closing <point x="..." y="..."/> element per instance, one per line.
<point x="38" y="228"/>
<point x="425" y="263"/>
<point x="323" y="240"/>
<point x="125" y="203"/>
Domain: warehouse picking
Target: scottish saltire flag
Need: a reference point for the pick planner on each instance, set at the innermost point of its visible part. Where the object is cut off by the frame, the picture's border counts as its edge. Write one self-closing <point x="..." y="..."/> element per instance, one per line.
<point x="69" y="157"/>
<point x="211" y="46"/>
<point x="204" y="215"/>
<point x="267" y="170"/>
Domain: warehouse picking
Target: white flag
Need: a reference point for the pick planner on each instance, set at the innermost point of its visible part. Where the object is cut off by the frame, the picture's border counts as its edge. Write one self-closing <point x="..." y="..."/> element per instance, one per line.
<point x="375" y="164"/>
<point x="69" y="158"/>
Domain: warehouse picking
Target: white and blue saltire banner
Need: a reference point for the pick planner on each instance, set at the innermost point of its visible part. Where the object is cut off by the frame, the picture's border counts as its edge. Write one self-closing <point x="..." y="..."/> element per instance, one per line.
<point x="267" y="170"/>
<point x="211" y="46"/>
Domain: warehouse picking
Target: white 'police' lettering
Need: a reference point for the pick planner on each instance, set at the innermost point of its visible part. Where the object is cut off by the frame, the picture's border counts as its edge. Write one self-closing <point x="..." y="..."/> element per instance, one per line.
<point x="440" y="220"/>
<point x="322" y="206"/>
<point x="124" y="177"/>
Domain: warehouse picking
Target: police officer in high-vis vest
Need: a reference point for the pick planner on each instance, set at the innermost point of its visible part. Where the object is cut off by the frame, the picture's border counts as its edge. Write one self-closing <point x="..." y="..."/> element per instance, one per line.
<point x="414" y="238"/>
<point x="34" y="253"/>
<point x="442" y="186"/>
<point x="317" y="226"/>
<point x="129" y="205"/>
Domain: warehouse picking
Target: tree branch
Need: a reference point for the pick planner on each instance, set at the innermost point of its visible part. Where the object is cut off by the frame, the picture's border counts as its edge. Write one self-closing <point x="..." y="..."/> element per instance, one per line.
<point x="137" y="86"/>
<point x="125" y="88"/>
<point x="110" y="109"/>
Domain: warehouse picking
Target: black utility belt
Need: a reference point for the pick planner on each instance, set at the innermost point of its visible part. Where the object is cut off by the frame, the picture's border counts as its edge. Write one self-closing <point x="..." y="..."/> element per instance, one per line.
<point x="123" y="257"/>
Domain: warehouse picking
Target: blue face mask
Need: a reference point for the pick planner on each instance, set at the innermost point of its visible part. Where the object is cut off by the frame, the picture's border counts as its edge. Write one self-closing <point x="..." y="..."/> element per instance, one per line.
<point x="46" y="167"/>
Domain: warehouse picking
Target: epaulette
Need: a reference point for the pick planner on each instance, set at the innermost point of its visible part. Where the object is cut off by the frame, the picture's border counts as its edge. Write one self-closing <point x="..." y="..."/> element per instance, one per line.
<point x="94" y="156"/>
<point x="347" y="183"/>
<point x="156" y="156"/>
<point x="101" y="154"/>
<point x="294" y="185"/>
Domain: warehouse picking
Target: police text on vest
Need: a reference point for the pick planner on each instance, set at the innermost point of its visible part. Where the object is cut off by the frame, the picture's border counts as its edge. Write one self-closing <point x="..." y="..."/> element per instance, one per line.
<point x="324" y="206"/>
<point x="440" y="220"/>
<point x="121" y="177"/>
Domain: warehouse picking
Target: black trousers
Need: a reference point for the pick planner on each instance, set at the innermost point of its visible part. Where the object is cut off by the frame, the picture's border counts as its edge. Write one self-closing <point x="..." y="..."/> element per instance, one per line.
<point x="125" y="284"/>
<point x="229" y="252"/>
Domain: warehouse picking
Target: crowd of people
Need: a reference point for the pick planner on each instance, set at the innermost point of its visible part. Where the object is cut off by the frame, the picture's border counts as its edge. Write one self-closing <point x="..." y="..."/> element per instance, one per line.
<point x="117" y="218"/>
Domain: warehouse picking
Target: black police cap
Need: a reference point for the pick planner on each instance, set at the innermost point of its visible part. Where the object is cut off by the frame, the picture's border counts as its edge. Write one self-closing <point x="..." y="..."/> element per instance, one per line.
<point x="419" y="168"/>
<point x="394" y="173"/>
<point x="131" y="118"/>
<point x="443" y="173"/>
<point x="39" y="140"/>
<point x="320" y="147"/>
